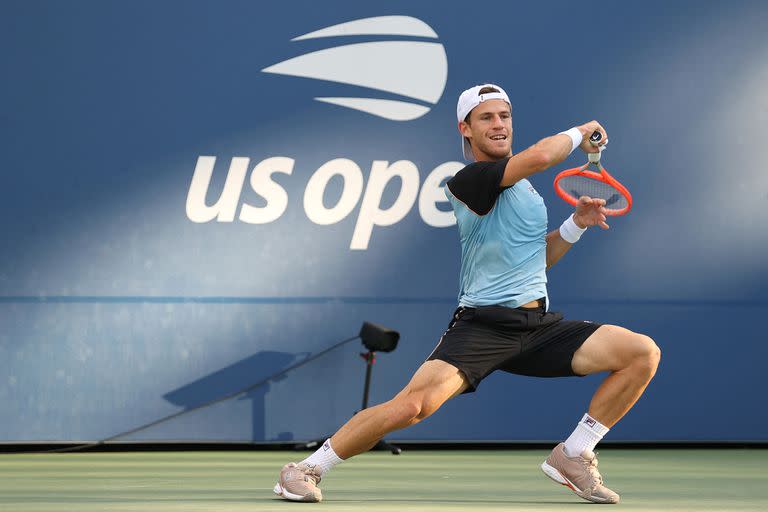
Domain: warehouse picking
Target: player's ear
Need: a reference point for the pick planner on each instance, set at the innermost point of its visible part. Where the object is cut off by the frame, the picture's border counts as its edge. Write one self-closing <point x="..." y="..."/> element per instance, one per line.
<point x="464" y="129"/>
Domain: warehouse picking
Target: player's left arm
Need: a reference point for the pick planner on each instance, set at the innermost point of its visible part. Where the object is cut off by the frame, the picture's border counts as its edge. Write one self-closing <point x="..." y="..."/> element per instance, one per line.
<point x="589" y="212"/>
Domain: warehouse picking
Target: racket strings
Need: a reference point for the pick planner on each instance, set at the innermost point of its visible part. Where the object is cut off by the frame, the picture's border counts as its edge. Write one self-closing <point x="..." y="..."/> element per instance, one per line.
<point x="577" y="186"/>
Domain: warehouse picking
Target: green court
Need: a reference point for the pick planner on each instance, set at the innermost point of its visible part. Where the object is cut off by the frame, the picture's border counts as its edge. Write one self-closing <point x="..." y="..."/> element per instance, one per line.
<point x="668" y="480"/>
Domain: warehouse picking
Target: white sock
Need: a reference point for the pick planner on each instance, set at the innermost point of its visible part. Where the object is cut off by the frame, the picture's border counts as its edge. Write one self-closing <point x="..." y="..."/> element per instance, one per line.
<point x="324" y="458"/>
<point x="587" y="434"/>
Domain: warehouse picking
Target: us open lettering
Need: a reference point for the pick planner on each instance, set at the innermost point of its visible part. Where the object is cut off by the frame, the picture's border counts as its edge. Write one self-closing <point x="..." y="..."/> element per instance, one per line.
<point x="370" y="213"/>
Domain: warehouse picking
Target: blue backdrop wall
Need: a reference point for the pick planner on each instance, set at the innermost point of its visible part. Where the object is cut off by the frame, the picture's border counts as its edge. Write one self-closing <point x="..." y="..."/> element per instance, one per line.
<point x="199" y="195"/>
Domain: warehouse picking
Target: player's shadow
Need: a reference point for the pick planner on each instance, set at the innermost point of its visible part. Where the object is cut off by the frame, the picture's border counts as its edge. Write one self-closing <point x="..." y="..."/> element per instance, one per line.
<point x="236" y="377"/>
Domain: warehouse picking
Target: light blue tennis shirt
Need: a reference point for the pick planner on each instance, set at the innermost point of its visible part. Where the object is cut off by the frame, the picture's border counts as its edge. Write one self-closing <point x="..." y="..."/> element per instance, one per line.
<point x="503" y="252"/>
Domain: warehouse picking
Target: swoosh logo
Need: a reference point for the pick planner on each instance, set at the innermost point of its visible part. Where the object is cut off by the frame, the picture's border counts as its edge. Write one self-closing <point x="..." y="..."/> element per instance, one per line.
<point x="414" y="70"/>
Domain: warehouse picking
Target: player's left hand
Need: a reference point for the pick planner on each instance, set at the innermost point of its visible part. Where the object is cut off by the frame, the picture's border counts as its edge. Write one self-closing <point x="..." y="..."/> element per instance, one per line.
<point x="590" y="212"/>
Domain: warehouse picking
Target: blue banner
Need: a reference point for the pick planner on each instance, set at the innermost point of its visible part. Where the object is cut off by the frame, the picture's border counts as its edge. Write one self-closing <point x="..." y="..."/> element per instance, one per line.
<point x="200" y="195"/>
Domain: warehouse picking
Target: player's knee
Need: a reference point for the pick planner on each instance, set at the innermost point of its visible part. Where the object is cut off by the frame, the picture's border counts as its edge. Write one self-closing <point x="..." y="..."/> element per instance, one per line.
<point x="413" y="409"/>
<point x="427" y="408"/>
<point x="407" y="410"/>
<point x="647" y="356"/>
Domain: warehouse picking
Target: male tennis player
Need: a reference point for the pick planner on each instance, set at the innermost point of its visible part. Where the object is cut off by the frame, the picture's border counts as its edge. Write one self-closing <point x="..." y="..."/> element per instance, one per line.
<point x="502" y="322"/>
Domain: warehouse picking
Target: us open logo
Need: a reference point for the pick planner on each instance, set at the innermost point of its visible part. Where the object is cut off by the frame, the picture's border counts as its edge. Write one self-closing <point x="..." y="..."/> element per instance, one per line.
<point x="410" y="77"/>
<point x="417" y="71"/>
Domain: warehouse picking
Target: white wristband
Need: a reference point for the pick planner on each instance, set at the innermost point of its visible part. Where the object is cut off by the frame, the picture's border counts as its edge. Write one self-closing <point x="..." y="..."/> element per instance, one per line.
<point x="570" y="232"/>
<point x="576" y="138"/>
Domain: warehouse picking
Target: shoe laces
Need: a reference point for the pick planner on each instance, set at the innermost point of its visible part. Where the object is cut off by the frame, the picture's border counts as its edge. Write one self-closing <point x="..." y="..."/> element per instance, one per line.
<point x="310" y="473"/>
<point x="591" y="466"/>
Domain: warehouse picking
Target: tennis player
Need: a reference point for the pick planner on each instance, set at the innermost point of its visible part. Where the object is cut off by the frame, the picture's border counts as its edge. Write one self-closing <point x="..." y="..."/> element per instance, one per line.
<point x="503" y="321"/>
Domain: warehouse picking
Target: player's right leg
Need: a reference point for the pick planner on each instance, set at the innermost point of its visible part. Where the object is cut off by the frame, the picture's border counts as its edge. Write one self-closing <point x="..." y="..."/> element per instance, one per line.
<point x="433" y="384"/>
<point x="632" y="360"/>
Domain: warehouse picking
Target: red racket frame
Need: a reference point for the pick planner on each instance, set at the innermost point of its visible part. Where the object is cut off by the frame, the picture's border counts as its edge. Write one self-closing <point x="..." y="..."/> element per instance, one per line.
<point x="602" y="176"/>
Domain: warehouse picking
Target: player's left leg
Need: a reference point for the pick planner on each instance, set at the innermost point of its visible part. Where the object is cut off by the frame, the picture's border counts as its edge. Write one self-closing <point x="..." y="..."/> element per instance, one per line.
<point x="632" y="360"/>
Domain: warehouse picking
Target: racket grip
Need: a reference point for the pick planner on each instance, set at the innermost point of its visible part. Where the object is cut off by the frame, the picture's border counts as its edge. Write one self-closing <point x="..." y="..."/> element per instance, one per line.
<point x="595" y="138"/>
<point x="594" y="157"/>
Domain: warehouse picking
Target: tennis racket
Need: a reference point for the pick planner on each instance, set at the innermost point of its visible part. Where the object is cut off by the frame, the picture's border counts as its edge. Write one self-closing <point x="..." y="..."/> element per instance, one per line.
<point x="571" y="184"/>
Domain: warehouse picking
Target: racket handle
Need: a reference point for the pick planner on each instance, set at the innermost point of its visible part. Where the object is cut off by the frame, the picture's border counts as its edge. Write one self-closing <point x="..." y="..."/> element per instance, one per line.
<point x="595" y="138"/>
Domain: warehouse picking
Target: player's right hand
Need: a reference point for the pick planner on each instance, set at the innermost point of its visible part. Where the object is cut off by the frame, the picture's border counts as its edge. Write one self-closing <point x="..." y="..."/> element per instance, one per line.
<point x="588" y="129"/>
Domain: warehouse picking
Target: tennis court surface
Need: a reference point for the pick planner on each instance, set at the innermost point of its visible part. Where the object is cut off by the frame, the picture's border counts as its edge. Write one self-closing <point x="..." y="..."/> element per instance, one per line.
<point x="665" y="479"/>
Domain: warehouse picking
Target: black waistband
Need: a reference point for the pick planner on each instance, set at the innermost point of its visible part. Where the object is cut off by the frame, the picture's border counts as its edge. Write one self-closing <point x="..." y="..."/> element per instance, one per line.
<point x="506" y="317"/>
<point x="541" y="303"/>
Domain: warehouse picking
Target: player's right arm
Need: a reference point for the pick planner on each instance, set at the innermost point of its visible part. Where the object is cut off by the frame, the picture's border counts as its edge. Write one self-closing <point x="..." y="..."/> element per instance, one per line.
<point x="546" y="153"/>
<point x="478" y="185"/>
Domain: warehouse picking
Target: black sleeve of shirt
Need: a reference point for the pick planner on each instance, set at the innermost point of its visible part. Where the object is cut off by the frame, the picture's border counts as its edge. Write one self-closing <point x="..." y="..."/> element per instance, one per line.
<point x="478" y="185"/>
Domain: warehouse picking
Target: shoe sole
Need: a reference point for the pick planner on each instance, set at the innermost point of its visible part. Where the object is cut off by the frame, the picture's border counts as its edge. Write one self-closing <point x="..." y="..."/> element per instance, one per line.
<point x="280" y="491"/>
<point x="558" y="477"/>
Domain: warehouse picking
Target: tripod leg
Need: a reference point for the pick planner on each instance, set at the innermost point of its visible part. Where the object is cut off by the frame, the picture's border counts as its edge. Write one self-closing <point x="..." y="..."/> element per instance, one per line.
<point x="370" y="359"/>
<point x="383" y="445"/>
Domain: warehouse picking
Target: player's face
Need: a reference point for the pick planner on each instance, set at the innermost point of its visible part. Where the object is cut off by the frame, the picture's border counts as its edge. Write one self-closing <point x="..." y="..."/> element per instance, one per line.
<point x="489" y="130"/>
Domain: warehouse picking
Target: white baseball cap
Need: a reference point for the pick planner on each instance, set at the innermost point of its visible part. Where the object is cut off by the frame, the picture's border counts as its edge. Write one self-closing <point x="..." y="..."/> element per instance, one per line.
<point x="468" y="100"/>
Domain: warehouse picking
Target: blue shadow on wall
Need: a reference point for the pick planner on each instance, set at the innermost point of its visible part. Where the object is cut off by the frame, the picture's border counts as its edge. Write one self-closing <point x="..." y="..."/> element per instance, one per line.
<point x="233" y="380"/>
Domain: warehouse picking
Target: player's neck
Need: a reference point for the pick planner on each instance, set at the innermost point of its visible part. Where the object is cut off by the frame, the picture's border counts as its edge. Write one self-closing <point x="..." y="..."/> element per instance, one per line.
<point x="488" y="158"/>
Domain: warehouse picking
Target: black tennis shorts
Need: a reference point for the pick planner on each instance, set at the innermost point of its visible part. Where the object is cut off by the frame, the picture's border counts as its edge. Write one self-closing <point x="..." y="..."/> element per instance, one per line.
<point x="523" y="341"/>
